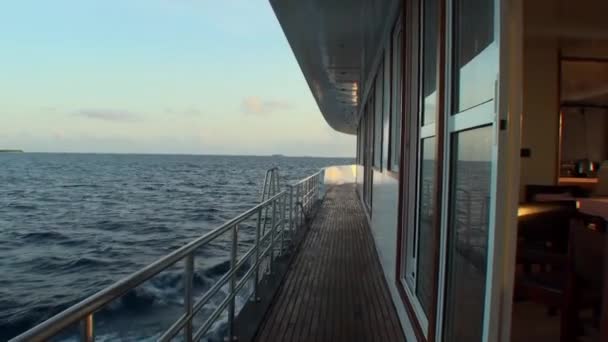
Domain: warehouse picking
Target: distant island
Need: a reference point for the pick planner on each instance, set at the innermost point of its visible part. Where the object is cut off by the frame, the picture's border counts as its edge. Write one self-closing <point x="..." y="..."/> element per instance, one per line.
<point x="11" y="151"/>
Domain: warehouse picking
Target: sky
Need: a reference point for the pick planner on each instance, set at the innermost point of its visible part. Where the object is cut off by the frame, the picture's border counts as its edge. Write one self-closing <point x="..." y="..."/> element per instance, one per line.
<point x="155" y="76"/>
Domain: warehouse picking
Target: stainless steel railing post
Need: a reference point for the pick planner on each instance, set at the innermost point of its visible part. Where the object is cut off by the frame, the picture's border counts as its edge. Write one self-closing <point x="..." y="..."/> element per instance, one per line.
<point x="304" y="189"/>
<point x="298" y="212"/>
<point x="304" y="204"/>
<point x="311" y="194"/>
<point x="320" y="185"/>
<point x="86" y="329"/>
<point x="257" y="258"/>
<point x="312" y="189"/>
<point x="306" y="194"/>
<point x="295" y="210"/>
<point x="309" y="188"/>
<point x="282" y="224"/>
<point x="317" y="187"/>
<point x="272" y="231"/>
<point x="301" y="205"/>
<point x="291" y="213"/>
<point x="188" y="294"/>
<point x="303" y="199"/>
<point x="231" y="307"/>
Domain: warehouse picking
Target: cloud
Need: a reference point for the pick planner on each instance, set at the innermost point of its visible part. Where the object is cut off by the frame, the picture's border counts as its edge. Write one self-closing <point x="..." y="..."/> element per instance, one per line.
<point x="188" y="111"/>
<point x="58" y="135"/>
<point x="255" y="105"/>
<point x="192" y="111"/>
<point x="116" y="115"/>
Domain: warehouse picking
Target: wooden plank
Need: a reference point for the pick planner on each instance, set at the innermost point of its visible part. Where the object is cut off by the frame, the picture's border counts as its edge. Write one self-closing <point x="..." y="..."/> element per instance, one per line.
<point x="335" y="289"/>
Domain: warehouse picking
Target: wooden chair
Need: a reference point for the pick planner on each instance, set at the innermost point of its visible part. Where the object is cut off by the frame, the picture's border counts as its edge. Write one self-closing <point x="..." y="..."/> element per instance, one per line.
<point x="574" y="280"/>
<point x="586" y="265"/>
<point x="544" y="230"/>
<point x="543" y="244"/>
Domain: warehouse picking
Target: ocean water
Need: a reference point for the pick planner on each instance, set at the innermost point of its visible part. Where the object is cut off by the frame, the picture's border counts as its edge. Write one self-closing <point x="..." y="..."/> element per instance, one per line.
<point x="71" y="224"/>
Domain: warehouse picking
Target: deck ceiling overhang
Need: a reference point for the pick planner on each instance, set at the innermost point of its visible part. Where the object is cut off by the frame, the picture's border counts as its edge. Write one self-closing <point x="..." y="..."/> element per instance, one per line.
<point x="337" y="43"/>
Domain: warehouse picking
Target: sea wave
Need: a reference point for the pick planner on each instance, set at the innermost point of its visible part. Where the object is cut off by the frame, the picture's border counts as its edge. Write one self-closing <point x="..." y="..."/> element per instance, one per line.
<point x="44" y="236"/>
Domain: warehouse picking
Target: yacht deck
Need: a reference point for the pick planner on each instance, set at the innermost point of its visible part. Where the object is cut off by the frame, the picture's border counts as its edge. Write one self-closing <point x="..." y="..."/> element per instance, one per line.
<point x="335" y="289"/>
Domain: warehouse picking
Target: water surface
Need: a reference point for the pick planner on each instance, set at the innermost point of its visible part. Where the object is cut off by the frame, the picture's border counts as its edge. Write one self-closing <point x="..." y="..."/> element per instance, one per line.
<point x="71" y="224"/>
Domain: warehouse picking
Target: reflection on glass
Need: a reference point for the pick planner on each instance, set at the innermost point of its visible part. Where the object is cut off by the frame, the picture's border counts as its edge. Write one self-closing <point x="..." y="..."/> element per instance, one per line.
<point x="426" y="233"/>
<point x="386" y="107"/>
<point x="359" y="144"/>
<point x="584" y="138"/>
<point x="584" y="82"/>
<point x="431" y="22"/>
<point x="468" y="234"/>
<point x="397" y="80"/>
<point x="368" y="154"/>
<point x="377" y="110"/>
<point x="476" y="59"/>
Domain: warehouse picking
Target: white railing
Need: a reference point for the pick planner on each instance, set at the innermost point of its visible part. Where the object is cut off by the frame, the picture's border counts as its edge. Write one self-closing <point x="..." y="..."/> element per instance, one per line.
<point x="288" y="209"/>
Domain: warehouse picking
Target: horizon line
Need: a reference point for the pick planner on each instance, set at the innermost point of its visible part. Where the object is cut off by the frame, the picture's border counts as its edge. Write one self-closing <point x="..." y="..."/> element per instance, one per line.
<point x="191" y="154"/>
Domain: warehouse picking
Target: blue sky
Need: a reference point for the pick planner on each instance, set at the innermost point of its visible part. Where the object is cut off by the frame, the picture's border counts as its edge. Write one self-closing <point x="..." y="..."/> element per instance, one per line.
<point x="155" y="76"/>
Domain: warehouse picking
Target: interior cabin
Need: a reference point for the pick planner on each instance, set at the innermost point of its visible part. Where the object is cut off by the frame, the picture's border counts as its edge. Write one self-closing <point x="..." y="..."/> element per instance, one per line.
<point x="563" y="209"/>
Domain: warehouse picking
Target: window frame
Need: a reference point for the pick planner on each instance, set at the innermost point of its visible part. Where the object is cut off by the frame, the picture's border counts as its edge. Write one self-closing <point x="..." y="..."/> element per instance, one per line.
<point x="359" y="156"/>
<point x="376" y="100"/>
<point x="369" y="152"/>
<point x="395" y="132"/>
<point x="413" y="132"/>
<point x="419" y="133"/>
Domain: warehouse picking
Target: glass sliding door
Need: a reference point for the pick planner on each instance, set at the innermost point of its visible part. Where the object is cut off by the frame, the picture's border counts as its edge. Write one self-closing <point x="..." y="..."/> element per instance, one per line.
<point x="368" y="113"/>
<point x="396" y="113"/>
<point x="467" y="243"/>
<point x="426" y="231"/>
<point x="469" y="178"/>
<point x="420" y="248"/>
<point x="475" y="66"/>
<point x="378" y="117"/>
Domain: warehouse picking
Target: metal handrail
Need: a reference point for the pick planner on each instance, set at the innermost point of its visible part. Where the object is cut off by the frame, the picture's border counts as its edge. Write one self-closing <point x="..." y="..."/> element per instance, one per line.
<point x="307" y="178"/>
<point x="302" y="194"/>
<point x="305" y="192"/>
<point x="270" y="188"/>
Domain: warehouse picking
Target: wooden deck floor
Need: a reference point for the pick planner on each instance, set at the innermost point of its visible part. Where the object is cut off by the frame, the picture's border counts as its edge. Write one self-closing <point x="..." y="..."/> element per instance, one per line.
<point x="334" y="289"/>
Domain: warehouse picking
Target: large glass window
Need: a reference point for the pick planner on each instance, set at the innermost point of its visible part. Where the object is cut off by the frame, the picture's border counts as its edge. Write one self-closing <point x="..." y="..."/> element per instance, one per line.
<point x="476" y="53"/>
<point x="429" y="60"/>
<point x="426" y="231"/>
<point x="420" y="263"/>
<point x="396" y="113"/>
<point x="377" y="113"/>
<point x="368" y="154"/>
<point x="468" y="234"/>
<point x="358" y="156"/>
<point x="386" y="107"/>
<point x="471" y="137"/>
